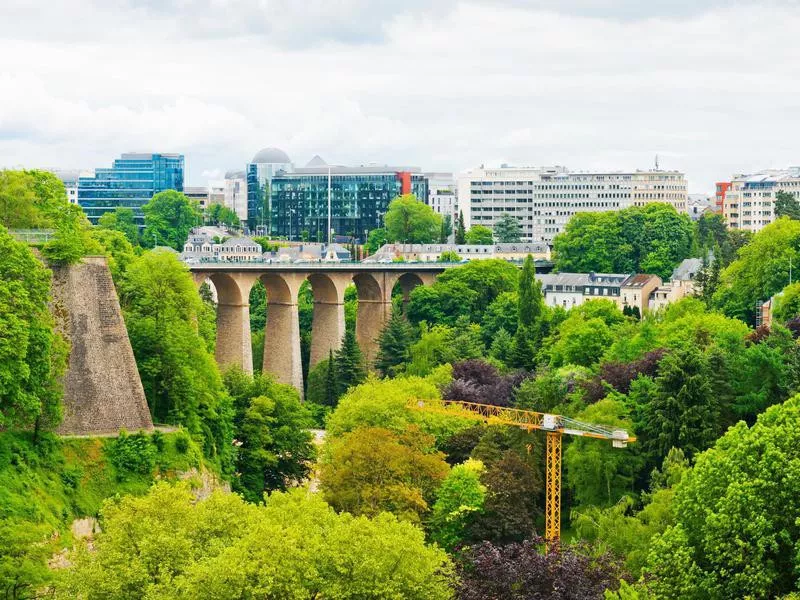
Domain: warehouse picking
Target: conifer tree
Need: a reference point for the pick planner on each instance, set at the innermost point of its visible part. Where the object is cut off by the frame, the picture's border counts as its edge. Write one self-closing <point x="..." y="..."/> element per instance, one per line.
<point x="350" y="369"/>
<point x="331" y="382"/>
<point x="394" y="344"/>
<point x="461" y="231"/>
<point x="531" y="309"/>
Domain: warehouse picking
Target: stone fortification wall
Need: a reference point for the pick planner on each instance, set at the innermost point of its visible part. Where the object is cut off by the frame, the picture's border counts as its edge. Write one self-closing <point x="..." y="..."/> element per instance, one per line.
<point x="102" y="389"/>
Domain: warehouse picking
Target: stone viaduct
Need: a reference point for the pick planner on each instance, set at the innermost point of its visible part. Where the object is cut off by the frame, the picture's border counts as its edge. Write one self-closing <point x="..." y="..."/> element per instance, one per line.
<point x="374" y="284"/>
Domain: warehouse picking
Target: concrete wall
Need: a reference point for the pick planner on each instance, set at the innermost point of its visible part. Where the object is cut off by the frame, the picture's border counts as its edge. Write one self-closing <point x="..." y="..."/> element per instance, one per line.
<point x="102" y="389"/>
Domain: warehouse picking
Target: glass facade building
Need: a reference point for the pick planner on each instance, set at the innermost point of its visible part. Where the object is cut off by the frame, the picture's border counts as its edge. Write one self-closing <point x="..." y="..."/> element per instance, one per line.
<point x="131" y="182"/>
<point x="359" y="199"/>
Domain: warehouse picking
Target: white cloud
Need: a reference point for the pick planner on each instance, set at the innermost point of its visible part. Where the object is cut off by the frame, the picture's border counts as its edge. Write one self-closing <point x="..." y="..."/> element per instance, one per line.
<point x="708" y="86"/>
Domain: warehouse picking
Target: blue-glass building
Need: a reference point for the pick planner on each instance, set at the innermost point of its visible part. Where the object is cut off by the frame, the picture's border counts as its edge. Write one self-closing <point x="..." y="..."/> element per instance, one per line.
<point x="266" y="164"/>
<point x="131" y="182"/>
<point x="359" y="199"/>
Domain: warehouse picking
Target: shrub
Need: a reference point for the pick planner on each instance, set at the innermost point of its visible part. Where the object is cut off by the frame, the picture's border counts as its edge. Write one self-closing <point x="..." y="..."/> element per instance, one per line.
<point x="182" y="442"/>
<point x="132" y="453"/>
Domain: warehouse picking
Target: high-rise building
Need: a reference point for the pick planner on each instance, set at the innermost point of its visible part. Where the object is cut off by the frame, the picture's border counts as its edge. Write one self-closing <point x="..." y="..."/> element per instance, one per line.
<point x="359" y="198"/>
<point x="545" y="198"/>
<point x="719" y="199"/>
<point x="235" y="193"/>
<point x="442" y="194"/>
<point x="266" y="164"/>
<point x="749" y="200"/>
<point x="131" y="182"/>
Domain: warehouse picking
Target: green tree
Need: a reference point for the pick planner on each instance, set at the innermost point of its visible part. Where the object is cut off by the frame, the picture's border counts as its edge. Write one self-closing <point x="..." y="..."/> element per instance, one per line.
<point x="394" y="344"/>
<point x="168" y="218"/>
<point x="331" y="382"/>
<point x="32" y="354"/>
<point x="31" y="199"/>
<point x="458" y="500"/>
<point x="461" y="233"/>
<point x="169" y="545"/>
<point x="447" y="229"/>
<point x="118" y="250"/>
<point x="507" y="229"/>
<point x="372" y="470"/>
<point x="786" y="205"/>
<point x="480" y="235"/>
<point x="23" y="559"/>
<point x="376" y="238"/>
<point x="448" y="256"/>
<point x="217" y="214"/>
<point x="737" y="528"/>
<point x="502" y="313"/>
<point x="410" y="221"/>
<point x="123" y="220"/>
<point x="350" y="366"/>
<point x="787" y="303"/>
<point x="179" y="373"/>
<point x="72" y="240"/>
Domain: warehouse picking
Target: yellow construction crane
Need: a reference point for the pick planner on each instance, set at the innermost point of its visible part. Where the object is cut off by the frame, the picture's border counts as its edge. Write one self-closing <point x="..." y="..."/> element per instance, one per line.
<point x="554" y="425"/>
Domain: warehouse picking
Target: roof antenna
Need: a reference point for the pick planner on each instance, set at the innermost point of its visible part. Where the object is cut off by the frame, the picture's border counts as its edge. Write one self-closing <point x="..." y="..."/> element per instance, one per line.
<point x="656" y="162"/>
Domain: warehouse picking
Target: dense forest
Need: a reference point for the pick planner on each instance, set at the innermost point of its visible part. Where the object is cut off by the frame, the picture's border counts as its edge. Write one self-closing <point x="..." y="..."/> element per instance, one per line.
<point x="405" y="503"/>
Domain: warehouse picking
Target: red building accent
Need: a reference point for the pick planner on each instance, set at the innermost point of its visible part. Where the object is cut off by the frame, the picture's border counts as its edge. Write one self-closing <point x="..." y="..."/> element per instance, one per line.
<point x="722" y="188"/>
<point x="405" y="182"/>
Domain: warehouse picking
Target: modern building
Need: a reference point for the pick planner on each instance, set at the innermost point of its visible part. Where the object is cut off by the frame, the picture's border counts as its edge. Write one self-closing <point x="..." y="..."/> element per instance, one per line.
<point x="235" y="193"/>
<point x="202" y="195"/>
<point x="545" y="198"/>
<point x="573" y="289"/>
<point x="359" y="198"/>
<point x="719" y="197"/>
<point x="131" y="182"/>
<point x="443" y="194"/>
<point x="749" y="200"/>
<point x="69" y="177"/>
<point x="260" y="171"/>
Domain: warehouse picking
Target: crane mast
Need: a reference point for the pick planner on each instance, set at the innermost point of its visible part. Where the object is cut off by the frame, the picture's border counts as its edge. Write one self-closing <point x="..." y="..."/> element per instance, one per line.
<point x="555" y="427"/>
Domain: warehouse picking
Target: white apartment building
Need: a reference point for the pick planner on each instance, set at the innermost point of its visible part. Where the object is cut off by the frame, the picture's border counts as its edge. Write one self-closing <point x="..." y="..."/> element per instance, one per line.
<point x="235" y="193"/>
<point x="749" y="202"/>
<point x="442" y="194"/>
<point x="545" y="198"/>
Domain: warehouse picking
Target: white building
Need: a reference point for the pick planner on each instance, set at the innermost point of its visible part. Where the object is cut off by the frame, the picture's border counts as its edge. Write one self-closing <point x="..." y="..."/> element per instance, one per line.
<point x="442" y="194"/>
<point x="69" y="177"/>
<point x="235" y="193"/>
<point x="749" y="203"/>
<point x="545" y="198"/>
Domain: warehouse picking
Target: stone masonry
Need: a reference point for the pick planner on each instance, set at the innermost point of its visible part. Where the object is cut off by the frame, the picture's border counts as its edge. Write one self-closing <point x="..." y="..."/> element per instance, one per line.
<point x="102" y="389"/>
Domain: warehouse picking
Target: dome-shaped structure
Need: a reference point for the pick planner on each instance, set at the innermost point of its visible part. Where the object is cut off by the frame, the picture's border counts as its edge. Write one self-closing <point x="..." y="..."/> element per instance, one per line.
<point x="271" y="155"/>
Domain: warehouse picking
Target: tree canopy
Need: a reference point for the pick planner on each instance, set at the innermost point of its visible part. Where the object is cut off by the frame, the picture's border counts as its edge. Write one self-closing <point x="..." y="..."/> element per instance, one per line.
<point x="168" y="218"/>
<point x="480" y="235"/>
<point x="121" y="219"/>
<point x="410" y="221"/>
<point x="507" y="229"/>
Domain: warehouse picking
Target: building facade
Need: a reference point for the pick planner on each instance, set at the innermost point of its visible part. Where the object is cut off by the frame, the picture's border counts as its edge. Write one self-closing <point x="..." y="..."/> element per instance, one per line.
<point x="568" y="290"/>
<point x="70" y="177"/>
<point x="443" y="194"/>
<point x="235" y="193"/>
<point x="515" y="252"/>
<point x="131" y="182"/>
<point x="360" y="197"/>
<point x="545" y="198"/>
<point x="749" y="200"/>
<point x="260" y="171"/>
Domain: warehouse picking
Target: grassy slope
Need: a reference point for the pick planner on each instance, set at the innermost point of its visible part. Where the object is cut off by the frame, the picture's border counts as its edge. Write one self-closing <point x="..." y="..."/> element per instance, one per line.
<point x="57" y="480"/>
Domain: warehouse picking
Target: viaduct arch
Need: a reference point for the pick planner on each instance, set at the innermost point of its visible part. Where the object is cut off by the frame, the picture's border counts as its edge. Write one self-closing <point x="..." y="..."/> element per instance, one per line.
<point x="374" y="285"/>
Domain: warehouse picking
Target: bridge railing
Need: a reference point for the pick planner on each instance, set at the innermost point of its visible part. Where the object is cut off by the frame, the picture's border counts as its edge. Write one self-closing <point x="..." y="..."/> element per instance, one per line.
<point x="32" y="236"/>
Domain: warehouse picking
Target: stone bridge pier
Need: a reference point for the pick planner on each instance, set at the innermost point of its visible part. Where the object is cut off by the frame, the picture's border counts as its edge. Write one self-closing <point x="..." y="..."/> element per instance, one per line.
<point x="282" y="331"/>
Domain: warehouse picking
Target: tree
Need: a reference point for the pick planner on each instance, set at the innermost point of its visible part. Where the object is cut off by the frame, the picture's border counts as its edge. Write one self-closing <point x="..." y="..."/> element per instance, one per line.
<point x="461" y="234"/>
<point x="72" y="240"/>
<point x="331" y="382"/>
<point x="786" y="205"/>
<point x="32" y="354"/>
<point x="24" y="552"/>
<point x="447" y="229"/>
<point x="522" y="571"/>
<point x="168" y="218"/>
<point x="458" y="499"/>
<point x="394" y="344"/>
<point x="507" y="229"/>
<point x="448" y="256"/>
<point x="123" y="220"/>
<point x="787" y="304"/>
<point x="480" y="235"/>
<point x="169" y="545"/>
<point x="31" y="199"/>
<point x="350" y="366"/>
<point x="441" y="344"/>
<point x="651" y="238"/>
<point x="410" y="221"/>
<point x="371" y="470"/>
<point x="217" y="214"/>
<point x="736" y="511"/>
<point x="375" y="239"/>
<point x="502" y="313"/>
<point x="180" y="377"/>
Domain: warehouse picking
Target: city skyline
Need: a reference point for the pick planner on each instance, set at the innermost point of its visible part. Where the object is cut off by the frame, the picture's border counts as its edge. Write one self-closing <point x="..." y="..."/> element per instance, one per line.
<point x="706" y="86"/>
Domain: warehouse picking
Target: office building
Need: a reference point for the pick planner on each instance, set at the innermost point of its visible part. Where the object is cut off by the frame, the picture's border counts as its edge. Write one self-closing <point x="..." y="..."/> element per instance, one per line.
<point x="201" y="195"/>
<point x="748" y="203"/>
<point x="442" y="194"/>
<point x="69" y="177"/>
<point x="260" y="171"/>
<point x="131" y="182"/>
<point x="359" y="198"/>
<point x="545" y="198"/>
<point x="235" y="193"/>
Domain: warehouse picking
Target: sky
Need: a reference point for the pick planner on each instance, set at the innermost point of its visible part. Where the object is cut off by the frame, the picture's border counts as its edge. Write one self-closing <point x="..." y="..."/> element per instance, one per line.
<point x="711" y="87"/>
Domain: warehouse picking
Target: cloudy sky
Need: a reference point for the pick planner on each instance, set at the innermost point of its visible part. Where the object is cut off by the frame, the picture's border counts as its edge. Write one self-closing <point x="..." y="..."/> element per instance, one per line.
<point x="712" y="87"/>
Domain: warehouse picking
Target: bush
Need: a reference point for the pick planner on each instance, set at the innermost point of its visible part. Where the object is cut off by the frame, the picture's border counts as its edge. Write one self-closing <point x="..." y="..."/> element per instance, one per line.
<point x="132" y="453"/>
<point x="182" y="443"/>
<point x="158" y="440"/>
